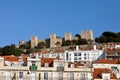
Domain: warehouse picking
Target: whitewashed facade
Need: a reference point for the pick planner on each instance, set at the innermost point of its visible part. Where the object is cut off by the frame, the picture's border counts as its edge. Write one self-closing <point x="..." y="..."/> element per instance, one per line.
<point x="87" y="55"/>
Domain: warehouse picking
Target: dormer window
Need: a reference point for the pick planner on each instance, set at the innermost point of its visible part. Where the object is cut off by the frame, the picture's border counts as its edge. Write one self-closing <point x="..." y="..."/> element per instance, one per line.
<point x="72" y="65"/>
<point x="46" y="64"/>
<point x="33" y="63"/>
<point x="19" y="58"/>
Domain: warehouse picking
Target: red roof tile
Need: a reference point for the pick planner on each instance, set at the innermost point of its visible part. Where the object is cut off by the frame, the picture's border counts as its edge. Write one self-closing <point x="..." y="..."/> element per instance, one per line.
<point x="97" y="73"/>
<point x="10" y="58"/>
<point x="109" y="50"/>
<point x="14" y="58"/>
<point x="47" y="60"/>
<point x="106" y="61"/>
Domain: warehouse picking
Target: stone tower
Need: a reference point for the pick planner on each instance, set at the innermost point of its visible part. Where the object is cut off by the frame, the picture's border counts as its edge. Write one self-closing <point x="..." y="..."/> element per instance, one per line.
<point x="34" y="41"/>
<point x="68" y="36"/>
<point x="52" y="40"/>
<point x="88" y="35"/>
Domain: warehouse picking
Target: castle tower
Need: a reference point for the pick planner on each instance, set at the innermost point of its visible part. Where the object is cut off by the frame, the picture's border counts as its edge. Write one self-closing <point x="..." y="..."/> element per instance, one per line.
<point x="68" y="36"/>
<point x="52" y="40"/>
<point x="34" y="41"/>
<point x="88" y="35"/>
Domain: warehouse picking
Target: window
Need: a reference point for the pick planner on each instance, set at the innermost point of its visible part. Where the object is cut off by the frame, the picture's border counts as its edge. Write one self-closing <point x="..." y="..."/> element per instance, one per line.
<point x="60" y="67"/>
<point x="72" y="65"/>
<point x="67" y="56"/>
<point x="105" y="78"/>
<point x="75" y="58"/>
<point x="46" y="75"/>
<point x="20" y="74"/>
<point x="71" y="76"/>
<point x="75" y="54"/>
<point x="60" y="75"/>
<point x="46" y="65"/>
<point x="82" y="76"/>
<point x="20" y="58"/>
<point x="33" y="64"/>
<point x="79" y="58"/>
<point x="79" y="54"/>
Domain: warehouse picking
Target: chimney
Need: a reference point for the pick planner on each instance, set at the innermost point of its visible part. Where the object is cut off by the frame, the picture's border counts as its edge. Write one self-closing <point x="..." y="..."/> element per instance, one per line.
<point x="77" y="48"/>
<point x="94" y="47"/>
<point x="37" y="56"/>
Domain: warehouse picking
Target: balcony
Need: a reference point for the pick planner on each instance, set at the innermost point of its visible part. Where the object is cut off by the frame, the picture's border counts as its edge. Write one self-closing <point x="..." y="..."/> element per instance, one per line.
<point x="33" y="68"/>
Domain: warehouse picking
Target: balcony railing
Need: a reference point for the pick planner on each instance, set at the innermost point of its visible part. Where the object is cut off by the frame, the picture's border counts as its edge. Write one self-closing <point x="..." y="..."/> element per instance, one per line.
<point x="33" y="68"/>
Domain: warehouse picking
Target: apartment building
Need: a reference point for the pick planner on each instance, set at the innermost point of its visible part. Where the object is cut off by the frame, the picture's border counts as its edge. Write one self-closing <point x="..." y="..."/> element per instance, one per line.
<point x="84" y="55"/>
<point x="19" y="68"/>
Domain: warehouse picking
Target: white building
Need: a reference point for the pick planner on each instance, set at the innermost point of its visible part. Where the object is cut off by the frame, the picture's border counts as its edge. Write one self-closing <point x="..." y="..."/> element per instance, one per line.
<point x="80" y="55"/>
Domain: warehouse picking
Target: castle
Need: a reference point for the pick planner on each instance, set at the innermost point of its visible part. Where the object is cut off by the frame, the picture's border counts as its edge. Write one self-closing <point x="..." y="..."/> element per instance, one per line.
<point x="55" y="41"/>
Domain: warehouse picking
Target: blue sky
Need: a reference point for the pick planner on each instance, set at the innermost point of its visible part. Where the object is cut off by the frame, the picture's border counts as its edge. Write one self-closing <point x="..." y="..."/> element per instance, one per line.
<point x="19" y="17"/>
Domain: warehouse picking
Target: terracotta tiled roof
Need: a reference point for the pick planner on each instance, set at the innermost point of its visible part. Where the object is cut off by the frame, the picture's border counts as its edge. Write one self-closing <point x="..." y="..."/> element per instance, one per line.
<point x="106" y="61"/>
<point x="10" y="58"/>
<point x="47" y="60"/>
<point x="58" y="51"/>
<point x="85" y="48"/>
<point x="14" y="58"/>
<point x="97" y="73"/>
<point x="78" y="64"/>
<point x="24" y="59"/>
<point x="112" y="50"/>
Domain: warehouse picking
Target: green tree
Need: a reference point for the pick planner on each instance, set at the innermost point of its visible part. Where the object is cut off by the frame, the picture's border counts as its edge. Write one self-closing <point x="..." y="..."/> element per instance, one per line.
<point x="81" y="41"/>
<point x="109" y="34"/>
<point x="77" y="35"/>
<point x="66" y="43"/>
<point x="73" y="42"/>
<point x="23" y="46"/>
<point x="108" y="37"/>
<point x="41" y="45"/>
<point x="11" y="50"/>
